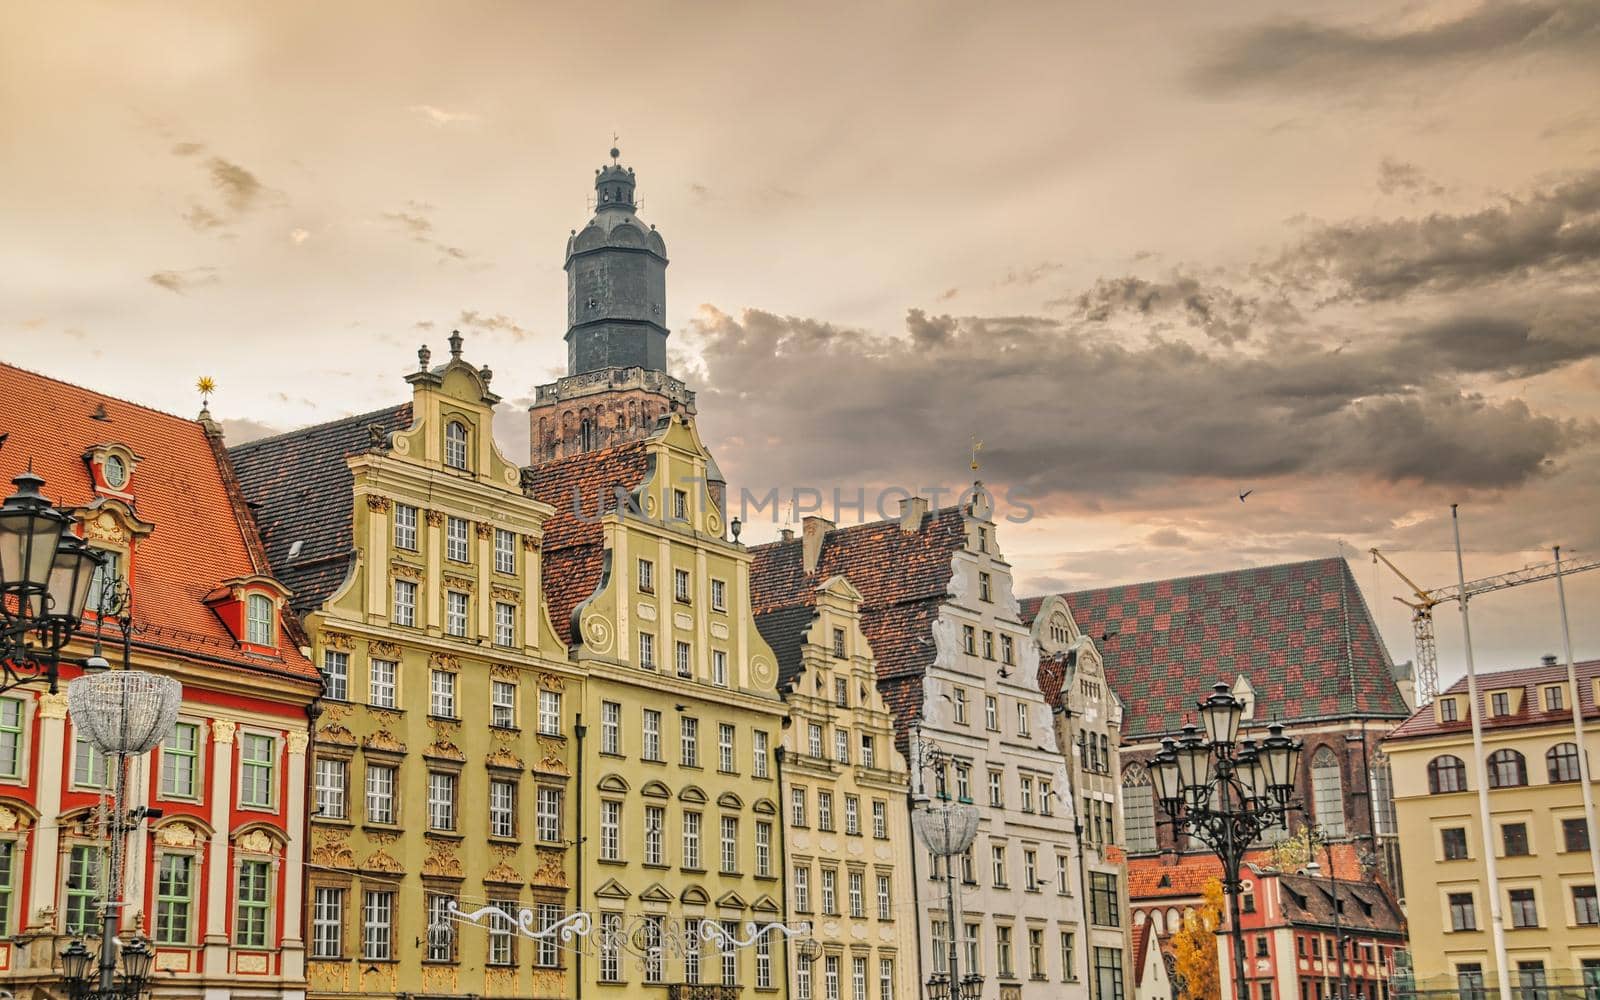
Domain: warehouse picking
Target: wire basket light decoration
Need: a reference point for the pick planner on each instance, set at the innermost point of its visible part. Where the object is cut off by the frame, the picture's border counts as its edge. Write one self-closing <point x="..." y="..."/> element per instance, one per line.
<point x="124" y="712"/>
<point x="946" y="829"/>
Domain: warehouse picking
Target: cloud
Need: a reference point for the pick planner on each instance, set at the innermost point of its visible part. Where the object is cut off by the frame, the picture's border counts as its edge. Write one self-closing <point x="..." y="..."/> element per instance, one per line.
<point x="1224" y="315"/>
<point x="497" y="323"/>
<point x="441" y="117"/>
<point x="414" y="220"/>
<point x="187" y="149"/>
<point x="1398" y="178"/>
<point x="179" y="282"/>
<point x="239" y="188"/>
<point x="1169" y="537"/>
<point x="298" y="235"/>
<point x="1031" y="275"/>
<point x="241" y="430"/>
<point x="1305" y="55"/>
<point x="203" y="219"/>
<point x="948" y="294"/>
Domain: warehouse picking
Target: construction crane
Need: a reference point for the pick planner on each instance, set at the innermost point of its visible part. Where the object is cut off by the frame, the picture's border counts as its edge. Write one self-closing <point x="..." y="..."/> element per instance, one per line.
<point x="1427" y="600"/>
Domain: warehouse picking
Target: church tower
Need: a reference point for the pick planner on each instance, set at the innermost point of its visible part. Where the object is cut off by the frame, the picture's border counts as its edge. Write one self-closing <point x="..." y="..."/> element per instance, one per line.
<point x="616" y="384"/>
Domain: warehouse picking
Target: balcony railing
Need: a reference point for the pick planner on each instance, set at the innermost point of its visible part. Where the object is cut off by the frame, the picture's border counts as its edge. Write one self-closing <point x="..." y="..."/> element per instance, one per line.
<point x="702" y="991"/>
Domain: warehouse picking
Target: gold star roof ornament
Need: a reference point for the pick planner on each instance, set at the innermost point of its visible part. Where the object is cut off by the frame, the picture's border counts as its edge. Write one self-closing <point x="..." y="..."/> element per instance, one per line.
<point x="206" y="386"/>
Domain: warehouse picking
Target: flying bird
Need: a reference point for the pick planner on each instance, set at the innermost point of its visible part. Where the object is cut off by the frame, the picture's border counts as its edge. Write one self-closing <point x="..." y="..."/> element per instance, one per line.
<point x="1245" y="493"/>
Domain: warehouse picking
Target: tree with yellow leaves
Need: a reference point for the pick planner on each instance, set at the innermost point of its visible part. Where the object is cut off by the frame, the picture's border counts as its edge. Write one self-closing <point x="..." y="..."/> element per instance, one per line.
<point x="1194" y="947"/>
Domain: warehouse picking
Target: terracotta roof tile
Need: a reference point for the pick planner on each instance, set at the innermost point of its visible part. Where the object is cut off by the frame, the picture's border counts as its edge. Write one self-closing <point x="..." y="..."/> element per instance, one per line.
<point x="1531" y="712"/>
<point x="180" y="485"/>
<point x="1155" y="877"/>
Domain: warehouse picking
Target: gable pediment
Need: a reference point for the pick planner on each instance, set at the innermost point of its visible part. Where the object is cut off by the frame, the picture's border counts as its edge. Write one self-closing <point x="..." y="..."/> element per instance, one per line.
<point x="728" y="800"/>
<point x="612" y="783"/>
<point x="612" y="889"/>
<point x="655" y="790"/>
<point x="656" y="893"/>
<point x="692" y="793"/>
<point x="731" y="901"/>
<point x="765" y="904"/>
<point x="695" y="896"/>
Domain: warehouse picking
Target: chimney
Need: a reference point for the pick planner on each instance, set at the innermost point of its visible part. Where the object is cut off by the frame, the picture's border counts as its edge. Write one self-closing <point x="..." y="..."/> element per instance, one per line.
<point x="912" y="511"/>
<point x="1548" y="659"/>
<point x="786" y="534"/>
<point x="813" y="530"/>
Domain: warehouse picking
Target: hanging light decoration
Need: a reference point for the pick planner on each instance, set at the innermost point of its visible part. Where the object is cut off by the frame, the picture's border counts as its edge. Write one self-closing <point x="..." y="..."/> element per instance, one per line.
<point x="124" y="712"/>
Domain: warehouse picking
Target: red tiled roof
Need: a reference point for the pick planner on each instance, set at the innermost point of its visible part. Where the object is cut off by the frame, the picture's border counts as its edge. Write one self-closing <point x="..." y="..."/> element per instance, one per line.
<point x="1154" y="877"/>
<point x="1141" y="941"/>
<point x="1053" y="670"/>
<point x="180" y="484"/>
<point x="1300" y="632"/>
<point x="1532" y="712"/>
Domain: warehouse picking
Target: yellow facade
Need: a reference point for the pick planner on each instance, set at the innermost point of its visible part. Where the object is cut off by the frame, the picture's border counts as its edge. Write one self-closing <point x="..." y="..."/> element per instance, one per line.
<point x="847" y="827"/>
<point x="444" y="755"/>
<point x="1545" y="867"/>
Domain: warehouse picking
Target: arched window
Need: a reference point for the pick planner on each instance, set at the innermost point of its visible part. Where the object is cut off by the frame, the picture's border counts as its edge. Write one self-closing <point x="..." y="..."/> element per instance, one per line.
<point x="1138" y="809"/>
<point x="586" y="435"/>
<point x="1446" y="773"/>
<point x="1327" y="789"/>
<point x="1562" y="760"/>
<point x="1507" y="769"/>
<point x="455" y="445"/>
<point x="258" y="620"/>
<point x="1105" y="754"/>
<point x="1058" y="629"/>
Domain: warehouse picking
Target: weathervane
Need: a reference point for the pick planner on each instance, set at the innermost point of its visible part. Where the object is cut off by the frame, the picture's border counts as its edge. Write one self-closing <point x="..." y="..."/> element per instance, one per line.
<point x="977" y="446"/>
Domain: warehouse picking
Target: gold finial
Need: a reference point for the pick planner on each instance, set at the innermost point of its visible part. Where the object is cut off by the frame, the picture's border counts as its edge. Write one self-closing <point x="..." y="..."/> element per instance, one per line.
<point x="977" y="446"/>
<point x="206" y="385"/>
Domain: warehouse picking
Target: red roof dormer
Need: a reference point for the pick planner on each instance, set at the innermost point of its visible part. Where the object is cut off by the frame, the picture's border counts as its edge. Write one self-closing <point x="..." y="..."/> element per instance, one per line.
<point x="251" y="607"/>
<point x="111" y="466"/>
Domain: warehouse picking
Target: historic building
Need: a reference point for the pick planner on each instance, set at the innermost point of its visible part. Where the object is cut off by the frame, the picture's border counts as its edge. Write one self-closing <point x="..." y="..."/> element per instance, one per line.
<point x="616" y="384"/>
<point x="1088" y="722"/>
<point x="1542" y="843"/>
<point x="446" y="751"/>
<point x="845" y="787"/>
<point x="958" y="670"/>
<point x="679" y="849"/>
<point x="215" y="882"/>
<point x="1151" y="978"/>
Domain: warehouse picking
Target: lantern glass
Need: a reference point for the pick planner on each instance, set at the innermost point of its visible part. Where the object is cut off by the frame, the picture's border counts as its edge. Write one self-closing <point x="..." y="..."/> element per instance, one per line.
<point x="30" y="532"/>
<point x="1221" y="714"/>
<point x="938" y="986"/>
<point x="971" y="986"/>
<point x="76" y="962"/>
<point x="1279" y="755"/>
<point x="136" y="959"/>
<point x="1164" y="772"/>
<point x="71" y="574"/>
<point x="1252" y="774"/>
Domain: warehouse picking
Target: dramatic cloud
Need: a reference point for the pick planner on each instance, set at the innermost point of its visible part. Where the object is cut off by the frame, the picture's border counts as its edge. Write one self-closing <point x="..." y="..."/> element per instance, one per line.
<point x="1221" y="313"/>
<point x="1302" y="54"/>
<point x="179" y="282"/>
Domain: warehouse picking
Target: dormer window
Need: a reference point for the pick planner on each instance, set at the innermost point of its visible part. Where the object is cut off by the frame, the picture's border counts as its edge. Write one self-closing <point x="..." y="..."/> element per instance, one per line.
<point x="116" y="471"/>
<point x="258" y="620"/>
<point x="455" y="445"/>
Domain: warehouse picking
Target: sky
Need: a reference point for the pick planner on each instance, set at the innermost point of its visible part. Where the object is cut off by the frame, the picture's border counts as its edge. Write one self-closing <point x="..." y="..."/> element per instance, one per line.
<point x="1153" y="255"/>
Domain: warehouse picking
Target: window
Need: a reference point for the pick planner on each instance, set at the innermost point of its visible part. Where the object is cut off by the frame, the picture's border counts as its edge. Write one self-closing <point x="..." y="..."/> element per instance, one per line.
<point x="830" y="977"/>
<point x="797" y="806"/>
<point x="83" y="889"/>
<point x="1562" y="761"/>
<point x="547" y="815"/>
<point x="180" y="759"/>
<point x="691" y="840"/>
<point x="1036" y="953"/>
<point x="763" y="849"/>
<point x="1063" y="876"/>
<point x="548" y="954"/>
<point x="719" y="667"/>
<point x="1328" y="791"/>
<point x="802" y="981"/>
<point x="335" y="675"/>
<point x="1068" y="966"/>
<point x="939" y="932"/>
<point x="1514" y="839"/>
<point x="680" y="585"/>
<point x="1027" y="793"/>
<point x="442" y="694"/>
<point x="502" y="808"/>
<point x="1469" y="981"/>
<point x="380" y="793"/>
<point x="841" y="746"/>
<point x="441" y="801"/>
<point x="858" y="978"/>
<point x="814" y="741"/>
<point x="1507" y="769"/>
<point x="885" y="905"/>
<point x="257" y="763"/>
<point x="1455" y="843"/>
<point x="802" y="888"/>
<point x="759" y="747"/>
<point x="1030" y="870"/>
<point x="441" y="929"/>
<point x="405" y="602"/>
<point x="505" y="624"/>
<point x="611" y="947"/>
<point x="991" y="713"/>
<point x="652" y="735"/>
<point x="1108" y="974"/>
<point x="1463" y="915"/>
<point x="89" y="768"/>
<point x="988" y="644"/>
<point x="997" y="792"/>
<point x="856" y="893"/>
<point x="880" y="819"/>
<point x="885" y="979"/>
<point x="405" y="527"/>
<point x="332" y="777"/>
<point x="997" y="860"/>
<point x="719" y="595"/>
<point x="174" y="896"/>
<point x="1446" y="773"/>
<point x="647" y="576"/>
<point x="689" y="740"/>
<point x="1448" y="711"/>
<point x="968" y="869"/>
<point x="1002" y="952"/>
<point x="377" y="923"/>
<point x="852" y="815"/>
<point x="969" y="640"/>
<point x="647" y="651"/>
<point x="1554" y="701"/>
<point x="830" y="894"/>
<point x="381" y="676"/>
<point x="824" y="810"/>
<point x="1500" y="703"/>
<point x="685" y="667"/>
<point x="692" y="931"/>
<point x="1524" y="910"/>
<point x="505" y="551"/>
<point x="503" y="704"/>
<point x="252" y="905"/>
<point x="730" y="845"/>
<point x="1531" y="980"/>
<point x="610" y="727"/>
<point x="763" y="962"/>
<point x="970" y="945"/>
<point x="1585" y="906"/>
<point x="1103" y="903"/>
<point x="1008" y="650"/>
<point x="1575" y="834"/>
<point x="725" y="748"/>
<point x="456" y="547"/>
<point x="549" y="713"/>
<point x="258" y="620"/>
<point x="680" y="505"/>
<point x="327" y="922"/>
<point x="869" y="750"/>
<point x="655" y="825"/>
<point x="985" y="587"/>
<point x="455" y="613"/>
<point x="455" y="445"/>
<point x="1138" y="810"/>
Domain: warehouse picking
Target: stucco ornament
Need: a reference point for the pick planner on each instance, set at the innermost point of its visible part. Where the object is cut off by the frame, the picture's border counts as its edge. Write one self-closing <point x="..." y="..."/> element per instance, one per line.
<point x="597" y="634"/>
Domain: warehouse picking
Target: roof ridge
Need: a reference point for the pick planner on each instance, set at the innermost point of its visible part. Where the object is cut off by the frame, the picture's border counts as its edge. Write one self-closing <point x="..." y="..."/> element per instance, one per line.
<point x="541" y="468"/>
<point x="309" y="428"/>
<point x="104" y="395"/>
<point x="1190" y="576"/>
<point x="933" y="512"/>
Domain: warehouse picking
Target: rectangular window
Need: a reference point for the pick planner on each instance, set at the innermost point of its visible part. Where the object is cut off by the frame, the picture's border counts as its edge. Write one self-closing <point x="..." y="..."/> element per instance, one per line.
<point x="441" y="932"/>
<point x="455" y="613"/>
<point x="381" y="675"/>
<point x="997" y="791"/>
<point x="855" y="888"/>
<point x="824" y="810"/>
<point x="680" y="585"/>
<point x="83" y="889"/>
<point x="885" y="979"/>
<point x="830" y="891"/>
<point x="405" y="602"/>
<point x="1036" y="953"/>
<point x="763" y="849"/>
<point x="997" y="859"/>
<point x="1455" y="843"/>
<point x="1463" y="915"/>
<point x="1008" y="650"/>
<point x="1002" y="952"/>
<point x="1575" y="834"/>
<point x="257" y="764"/>
<point x="841" y="746"/>
<point x="939" y="933"/>
<point x="652" y="735"/>
<point x="985" y="587"/>
<point x="502" y="808"/>
<point x="858" y="978"/>
<point x="550" y="713"/>
<point x="441" y="801"/>
<point x="253" y="905"/>
<point x="1553" y="700"/>
<point x="802" y="888"/>
<point x="331" y="779"/>
<point x="1447" y="710"/>
<point x="725" y="748"/>
<point x="974" y="954"/>
<point x="691" y="840"/>
<point x="1027" y="793"/>
<point x="455" y="539"/>
<point x="802" y="981"/>
<point x="1030" y="870"/>
<point x="969" y="639"/>
<point x="89" y="769"/>
<point x="547" y="815"/>
<point x="180" y="761"/>
<point x="335" y="675"/>
<point x="758" y="743"/>
<point x="691" y="952"/>
<point x="548" y="955"/>
<point x="764" y="961"/>
<point x="405" y="527"/>
<point x="885" y="904"/>
<point x="814" y="741"/>
<point x="830" y="977"/>
<point x="880" y="819"/>
<point x="503" y="704"/>
<point x="852" y="815"/>
<point x="1022" y="718"/>
<point x="611" y="947"/>
<point x="1524" y="909"/>
<point x="719" y="667"/>
<point x="442" y="694"/>
<point x="683" y="659"/>
<point x="988" y="644"/>
<point x="961" y="706"/>
<point x="719" y="595"/>
<point x="680" y="505"/>
<point x="505" y="551"/>
<point x="1108" y="974"/>
<point x="327" y="922"/>
<point x="869" y="750"/>
<point x="1103" y="903"/>
<point x="610" y="727"/>
<point x="730" y="957"/>
<point x="991" y="713"/>
<point x="1500" y="703"/>
<point x="1585" y="906"/>
<point x="174" y="896"/>
<point x="797" y="806"/>
<point x="1068" y="965"/>
<point x="1514" y="836"/>
<point x="730" y="846"/>
<point x="655" y="825"/>
<point x="647" y="651"/>
<point x="647" y="576"/>
<point x="380" y="793"/>
<point x="1063" y="876"/>
<point x="689" y="741"/>
<point x="505" y="624"/>
<point x="377" y="925"/>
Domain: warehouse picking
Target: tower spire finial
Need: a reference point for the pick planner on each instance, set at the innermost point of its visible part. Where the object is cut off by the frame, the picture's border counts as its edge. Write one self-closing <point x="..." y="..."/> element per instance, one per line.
<point x="615" y="152"/>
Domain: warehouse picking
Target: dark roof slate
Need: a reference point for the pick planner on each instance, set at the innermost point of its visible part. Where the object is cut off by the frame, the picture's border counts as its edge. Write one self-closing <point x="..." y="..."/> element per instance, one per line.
<point x="785" y="631"/>
<point x="1362" y="905"/>
<point x="1532" y="711"/>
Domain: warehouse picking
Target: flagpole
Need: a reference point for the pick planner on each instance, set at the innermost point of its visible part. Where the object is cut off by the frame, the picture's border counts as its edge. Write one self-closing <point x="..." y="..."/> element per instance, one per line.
<point x="1497" y="924"/>
<point x="1585" y="774"/>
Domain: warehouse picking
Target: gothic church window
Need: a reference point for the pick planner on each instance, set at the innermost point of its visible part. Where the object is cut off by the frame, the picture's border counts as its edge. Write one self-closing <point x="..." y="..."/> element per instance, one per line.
<point x="1138" y="809"/>
<point x="1327" y="790"/>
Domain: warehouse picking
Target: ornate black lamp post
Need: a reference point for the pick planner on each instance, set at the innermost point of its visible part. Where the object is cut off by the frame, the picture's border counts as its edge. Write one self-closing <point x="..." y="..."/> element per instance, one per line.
<point x="1226" y="793"/>
<point x="45" y="574"/>
<point x="82" y="978"/>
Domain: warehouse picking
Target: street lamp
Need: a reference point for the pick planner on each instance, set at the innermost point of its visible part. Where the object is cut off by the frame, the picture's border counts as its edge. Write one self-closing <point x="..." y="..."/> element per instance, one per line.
<point x="947" y="830"/>
<point x="45" y="575"/>
<point x="77" y="971"/>
<point x="1226" y="793"/>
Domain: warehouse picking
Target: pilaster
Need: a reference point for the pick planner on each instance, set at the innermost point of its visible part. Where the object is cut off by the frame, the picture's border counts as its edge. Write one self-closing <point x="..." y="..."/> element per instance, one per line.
<point x="52" y="743"/>
<point x="294" y="867"/>
<point x="218" y="857"/>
